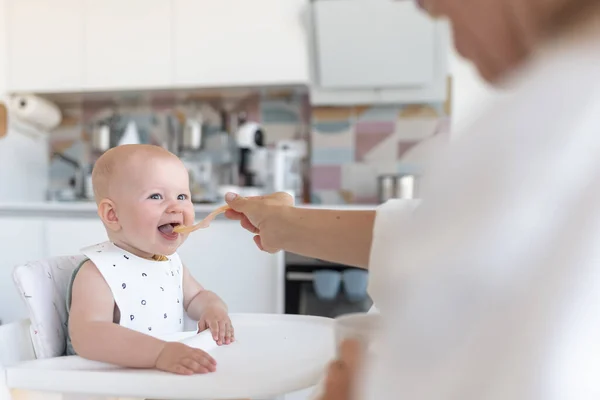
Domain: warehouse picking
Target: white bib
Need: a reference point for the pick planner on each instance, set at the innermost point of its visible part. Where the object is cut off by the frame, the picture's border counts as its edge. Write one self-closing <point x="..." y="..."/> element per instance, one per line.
<point x="148" y="293"/>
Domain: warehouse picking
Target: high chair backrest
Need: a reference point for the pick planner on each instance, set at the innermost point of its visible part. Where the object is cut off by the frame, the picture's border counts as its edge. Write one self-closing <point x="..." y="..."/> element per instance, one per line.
<point x="43" y="287"/>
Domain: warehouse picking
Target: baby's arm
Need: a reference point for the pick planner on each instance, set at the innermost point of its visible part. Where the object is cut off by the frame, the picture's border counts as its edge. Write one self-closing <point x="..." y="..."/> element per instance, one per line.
<point x="207" y="308"/>
<point x="95" y="336"/>
<point x="93" y="333"/>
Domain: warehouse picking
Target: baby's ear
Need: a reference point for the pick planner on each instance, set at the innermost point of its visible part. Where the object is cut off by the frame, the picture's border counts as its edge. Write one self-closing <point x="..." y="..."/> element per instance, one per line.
<point x="108" y="215"/>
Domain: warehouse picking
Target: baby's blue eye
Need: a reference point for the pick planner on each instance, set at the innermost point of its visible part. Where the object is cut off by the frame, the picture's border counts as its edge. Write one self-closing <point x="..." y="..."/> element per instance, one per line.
<point x="155" y="196"/>
<point x="182" y="197"/>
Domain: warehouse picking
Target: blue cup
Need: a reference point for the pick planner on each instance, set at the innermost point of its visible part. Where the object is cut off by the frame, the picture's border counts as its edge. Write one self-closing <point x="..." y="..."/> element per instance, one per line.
<point x="355" y="284"/>
<point x="326" y="283"/>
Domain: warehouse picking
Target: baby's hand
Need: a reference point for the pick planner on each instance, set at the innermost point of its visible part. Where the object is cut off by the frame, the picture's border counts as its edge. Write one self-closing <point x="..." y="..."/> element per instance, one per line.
<point x="215" y="318"/>
<point x="184" y="360"/>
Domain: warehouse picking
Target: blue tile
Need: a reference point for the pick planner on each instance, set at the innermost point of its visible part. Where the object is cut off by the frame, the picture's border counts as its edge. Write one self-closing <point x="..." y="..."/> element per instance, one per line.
<point x="315" y="198"/>
<point x="332" y="156"/>
<point x="278" y="113"/>
<point x="331" y="127"/>
<point x="380" y="114"/>
<point x="407" y="168"/>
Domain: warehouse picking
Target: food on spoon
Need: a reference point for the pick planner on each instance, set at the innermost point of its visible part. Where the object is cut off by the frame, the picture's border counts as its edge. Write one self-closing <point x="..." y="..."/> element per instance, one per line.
<point x="202" y="224"/>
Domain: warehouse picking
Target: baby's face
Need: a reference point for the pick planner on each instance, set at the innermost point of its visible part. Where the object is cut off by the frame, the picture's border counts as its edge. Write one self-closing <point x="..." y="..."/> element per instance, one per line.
<point x="153" y="198"/>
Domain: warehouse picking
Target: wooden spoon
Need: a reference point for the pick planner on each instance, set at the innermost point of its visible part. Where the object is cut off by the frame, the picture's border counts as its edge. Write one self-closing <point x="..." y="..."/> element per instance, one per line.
<point x="202" y="224"/>
<point x="3" y="120"/>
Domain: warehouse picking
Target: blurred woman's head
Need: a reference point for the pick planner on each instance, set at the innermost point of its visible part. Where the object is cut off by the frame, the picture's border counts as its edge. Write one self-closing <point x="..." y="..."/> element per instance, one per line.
<point x="498" y="35"/>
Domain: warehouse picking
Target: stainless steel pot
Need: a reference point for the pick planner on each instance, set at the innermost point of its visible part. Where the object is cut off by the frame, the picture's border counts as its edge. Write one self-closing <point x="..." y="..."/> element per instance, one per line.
<point x="397" y="186"/>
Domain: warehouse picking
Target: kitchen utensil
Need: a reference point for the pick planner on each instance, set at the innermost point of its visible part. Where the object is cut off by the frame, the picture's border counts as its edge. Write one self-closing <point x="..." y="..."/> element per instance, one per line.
<point x="398" y="186"/>
<point x="192" y="134"/>
<point x="202" y="224"/>
<point x="406" y="187"/>
<point x="386" y="187"/>
<point x="81" y="178"/>
<point x="101" y="137"/>
<point x="3" y="120"/>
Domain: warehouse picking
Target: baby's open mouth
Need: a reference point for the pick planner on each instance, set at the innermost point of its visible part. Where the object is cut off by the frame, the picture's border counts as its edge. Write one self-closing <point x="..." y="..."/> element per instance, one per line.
<point x="167" y="229"/>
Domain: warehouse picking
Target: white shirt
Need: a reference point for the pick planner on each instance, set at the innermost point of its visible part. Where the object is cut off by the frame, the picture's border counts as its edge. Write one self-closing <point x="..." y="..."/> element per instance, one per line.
<point x="492" y="284"/>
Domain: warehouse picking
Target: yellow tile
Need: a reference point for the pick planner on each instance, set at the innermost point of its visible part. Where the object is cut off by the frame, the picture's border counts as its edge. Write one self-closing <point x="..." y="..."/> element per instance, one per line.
<point x="332" y="113"/>
<point x="418" y="111"/>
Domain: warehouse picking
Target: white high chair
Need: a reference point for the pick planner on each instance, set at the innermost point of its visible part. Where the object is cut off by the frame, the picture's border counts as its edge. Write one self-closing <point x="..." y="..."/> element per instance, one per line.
<point x="32" y="365"/>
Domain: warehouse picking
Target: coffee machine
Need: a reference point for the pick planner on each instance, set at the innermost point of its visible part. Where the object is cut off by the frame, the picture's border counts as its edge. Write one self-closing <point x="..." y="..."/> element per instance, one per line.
<point x="250" y="138"/>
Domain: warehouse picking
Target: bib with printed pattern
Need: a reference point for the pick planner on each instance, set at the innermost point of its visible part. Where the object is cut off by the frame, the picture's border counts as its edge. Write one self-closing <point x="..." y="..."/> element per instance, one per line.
<point x="148" y="293"/>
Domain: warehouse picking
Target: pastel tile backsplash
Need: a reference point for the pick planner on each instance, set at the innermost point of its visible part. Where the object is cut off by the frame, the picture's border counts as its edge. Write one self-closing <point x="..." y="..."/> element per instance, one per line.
<point x="365" y="142"/>
<point x="349" y="146"/>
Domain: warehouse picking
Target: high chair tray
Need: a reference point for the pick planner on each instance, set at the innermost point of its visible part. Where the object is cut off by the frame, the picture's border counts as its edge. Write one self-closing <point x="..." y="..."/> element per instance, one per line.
<point x="273" y="354"/>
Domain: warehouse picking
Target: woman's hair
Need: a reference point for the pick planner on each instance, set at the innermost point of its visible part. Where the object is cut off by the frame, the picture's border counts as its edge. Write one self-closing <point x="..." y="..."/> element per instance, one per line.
<point x="570" y="15"/>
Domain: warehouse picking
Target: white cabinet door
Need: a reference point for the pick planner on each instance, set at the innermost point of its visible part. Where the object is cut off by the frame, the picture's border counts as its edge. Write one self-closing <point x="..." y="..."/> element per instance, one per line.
<point x="224" y="259"/>
<point x="21" y="240"/>
<point x="128" y="44"/>
<point x="45" y="45"/>
<point x="373" y="44"/>
<point x="240" y="42"/>
<point x="66" y="236"/>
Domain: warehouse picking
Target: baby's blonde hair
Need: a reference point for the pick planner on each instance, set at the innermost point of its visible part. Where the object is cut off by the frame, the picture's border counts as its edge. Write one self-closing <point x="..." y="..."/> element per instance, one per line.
<point x="111" y="164"/>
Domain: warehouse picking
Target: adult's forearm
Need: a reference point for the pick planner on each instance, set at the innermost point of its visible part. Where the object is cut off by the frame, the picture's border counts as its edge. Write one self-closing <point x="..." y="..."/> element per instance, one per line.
<point x="112" y="343"/>
<point x="338" y="236"/>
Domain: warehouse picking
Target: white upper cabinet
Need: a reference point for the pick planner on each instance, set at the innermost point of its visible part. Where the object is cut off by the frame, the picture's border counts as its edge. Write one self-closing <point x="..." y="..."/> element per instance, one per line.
<point x="45" y="45"/>
<point x="365" y="44"/>
<point x="240" y="42"/>
<point x="346" y="51"/>
<point x="127" y="44"/>
<point x="376" y="52"/>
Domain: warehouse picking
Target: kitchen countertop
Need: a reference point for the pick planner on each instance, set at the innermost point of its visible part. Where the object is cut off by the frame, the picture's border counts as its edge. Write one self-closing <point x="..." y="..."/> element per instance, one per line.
<point x="86" y="209"/>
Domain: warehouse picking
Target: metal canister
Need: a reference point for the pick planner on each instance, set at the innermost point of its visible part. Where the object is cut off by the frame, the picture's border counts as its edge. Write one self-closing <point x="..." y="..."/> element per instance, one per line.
<point x="386" y="187"/>
<point x="406" y="187"/>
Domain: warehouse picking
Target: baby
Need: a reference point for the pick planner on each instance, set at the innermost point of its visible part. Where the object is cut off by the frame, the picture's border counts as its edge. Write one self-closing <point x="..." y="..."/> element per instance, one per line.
<point x="131" y="293"/>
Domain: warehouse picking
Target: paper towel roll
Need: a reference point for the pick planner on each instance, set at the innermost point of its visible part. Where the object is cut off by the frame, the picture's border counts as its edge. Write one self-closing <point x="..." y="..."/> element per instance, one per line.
<point x="35" y="110"/>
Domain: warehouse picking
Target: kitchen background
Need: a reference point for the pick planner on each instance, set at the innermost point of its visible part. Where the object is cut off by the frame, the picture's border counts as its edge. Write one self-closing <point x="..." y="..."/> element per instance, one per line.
<point x="327" y="99"/>
<point x="348" y="147"/>
<point x="341" y="105"/>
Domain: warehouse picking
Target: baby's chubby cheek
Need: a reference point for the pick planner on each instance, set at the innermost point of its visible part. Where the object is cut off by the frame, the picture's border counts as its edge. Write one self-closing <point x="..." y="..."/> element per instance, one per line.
<point x="189" y="218"/>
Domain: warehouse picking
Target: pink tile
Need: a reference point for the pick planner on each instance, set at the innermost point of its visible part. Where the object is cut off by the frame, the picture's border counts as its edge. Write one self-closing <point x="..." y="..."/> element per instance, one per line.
<point x="91" y="108"/>
<point x="326" y="177"/>
<point x="161" y="103"/>
<point x="375" y="127"/>
<point x="252" y="108"/>
<point x="403" y="147"/>
<point x="443" y="126"/>
<point x="306" y="110"/>
<point x="366" y="142"/>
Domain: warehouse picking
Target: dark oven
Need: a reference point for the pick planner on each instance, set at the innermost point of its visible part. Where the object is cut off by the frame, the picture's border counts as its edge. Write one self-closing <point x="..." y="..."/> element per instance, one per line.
<point x="321" y="288"/>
